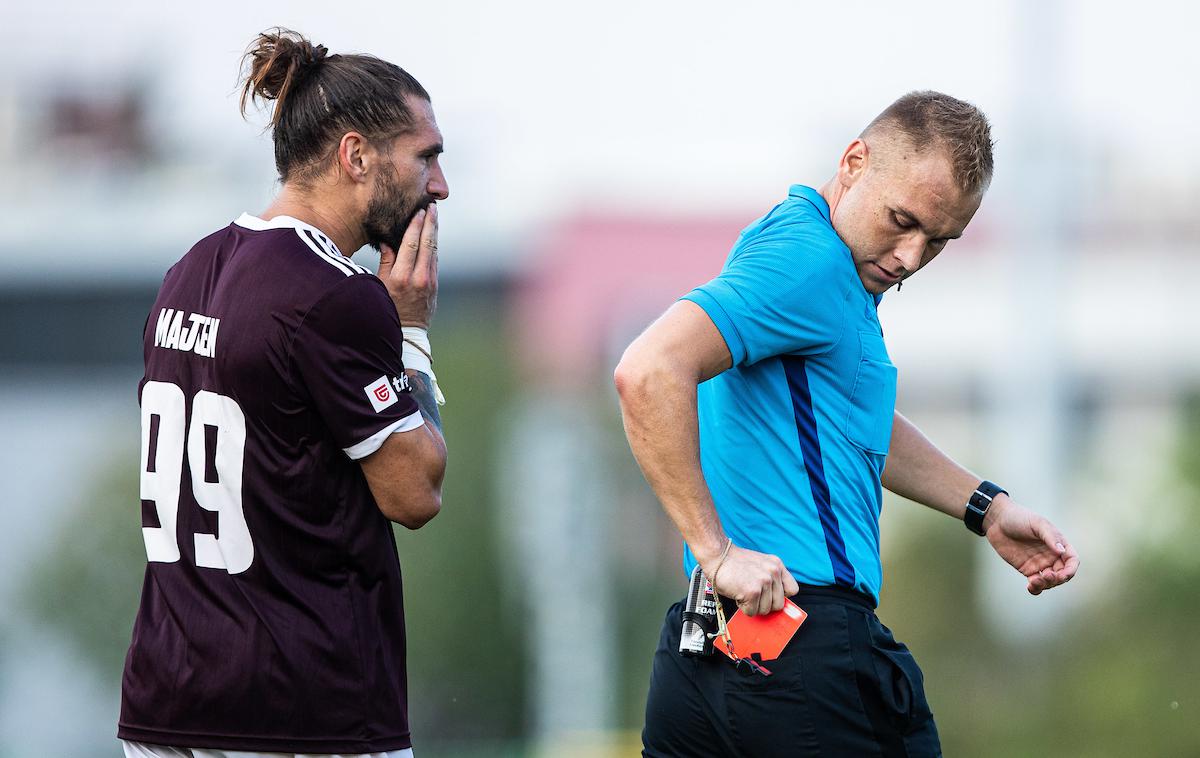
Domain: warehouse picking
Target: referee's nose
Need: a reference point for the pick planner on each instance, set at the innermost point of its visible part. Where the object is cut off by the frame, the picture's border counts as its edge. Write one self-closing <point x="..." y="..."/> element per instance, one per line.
<point x="909" y="252"/>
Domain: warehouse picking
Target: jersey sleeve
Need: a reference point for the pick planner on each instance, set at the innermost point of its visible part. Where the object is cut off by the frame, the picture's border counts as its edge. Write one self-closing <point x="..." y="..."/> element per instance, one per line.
<point x="783" y="291"/>
<point x="347" y="355"/>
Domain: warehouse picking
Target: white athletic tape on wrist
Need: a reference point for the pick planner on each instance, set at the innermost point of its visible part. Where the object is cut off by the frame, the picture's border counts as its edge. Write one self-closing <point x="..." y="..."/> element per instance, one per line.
<point x="417" y="355"/>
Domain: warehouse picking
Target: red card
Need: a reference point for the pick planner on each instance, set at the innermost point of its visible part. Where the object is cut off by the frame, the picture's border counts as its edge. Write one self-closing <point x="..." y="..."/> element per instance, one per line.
<point x="766" y="635"/>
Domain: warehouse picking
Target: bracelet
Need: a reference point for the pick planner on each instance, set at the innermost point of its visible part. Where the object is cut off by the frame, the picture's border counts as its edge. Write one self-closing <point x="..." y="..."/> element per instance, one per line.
<point x="420" y="349"/>
<point x="720" y="563"/>
<point x="416" y="354"/>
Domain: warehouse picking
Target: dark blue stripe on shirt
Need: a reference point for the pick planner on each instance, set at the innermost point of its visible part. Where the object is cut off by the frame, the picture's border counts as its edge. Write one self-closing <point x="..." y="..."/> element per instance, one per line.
<point x="810" y="447"/>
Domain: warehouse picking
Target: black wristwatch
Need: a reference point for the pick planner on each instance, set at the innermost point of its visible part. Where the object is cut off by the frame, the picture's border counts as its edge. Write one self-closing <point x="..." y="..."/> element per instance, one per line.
<point x="977" y="506"/>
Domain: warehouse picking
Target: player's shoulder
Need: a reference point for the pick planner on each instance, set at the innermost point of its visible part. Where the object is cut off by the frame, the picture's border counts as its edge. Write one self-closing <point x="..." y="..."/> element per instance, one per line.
<point x="301" y="262"/>
<point x="204" y="250"/>
<point x="301" y="247"/>
<point x="346" y="304"/>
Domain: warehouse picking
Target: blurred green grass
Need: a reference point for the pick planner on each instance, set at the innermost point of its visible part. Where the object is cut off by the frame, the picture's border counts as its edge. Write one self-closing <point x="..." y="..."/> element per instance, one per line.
<point x="1122" y="677"/>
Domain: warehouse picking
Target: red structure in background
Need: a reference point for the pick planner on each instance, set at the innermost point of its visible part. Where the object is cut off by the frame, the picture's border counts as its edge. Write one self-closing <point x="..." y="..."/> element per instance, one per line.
<point x="596" y="281"/>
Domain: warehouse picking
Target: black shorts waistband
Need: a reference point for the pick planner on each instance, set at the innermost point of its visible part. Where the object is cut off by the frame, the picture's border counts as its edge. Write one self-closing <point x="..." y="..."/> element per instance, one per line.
<point x="811" y="594"/>
<point x="832" y="593"/>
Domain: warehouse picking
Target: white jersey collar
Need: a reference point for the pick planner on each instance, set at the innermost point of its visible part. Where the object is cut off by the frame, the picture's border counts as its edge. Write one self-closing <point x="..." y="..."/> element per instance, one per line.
<point x="281" y="222"/>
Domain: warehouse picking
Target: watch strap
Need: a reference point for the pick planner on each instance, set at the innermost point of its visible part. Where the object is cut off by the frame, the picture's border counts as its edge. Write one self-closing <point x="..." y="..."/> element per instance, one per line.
<point x="978" y="504"/>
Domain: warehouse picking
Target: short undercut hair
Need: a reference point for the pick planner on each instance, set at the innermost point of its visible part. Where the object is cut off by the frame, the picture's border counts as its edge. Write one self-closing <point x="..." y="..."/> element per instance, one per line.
<point x="933" y="118"/>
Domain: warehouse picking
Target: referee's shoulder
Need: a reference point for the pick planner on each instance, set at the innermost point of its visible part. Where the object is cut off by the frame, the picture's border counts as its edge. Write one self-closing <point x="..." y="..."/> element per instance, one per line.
<point x="793" y="247"/>
<point x="796" y="216"/>
<point x="795" y="226"/>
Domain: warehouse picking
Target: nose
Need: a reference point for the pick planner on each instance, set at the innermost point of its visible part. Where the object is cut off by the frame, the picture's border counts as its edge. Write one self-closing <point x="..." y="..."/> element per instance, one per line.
<point x="437" y="187"/>
<point x="909" y="253"/>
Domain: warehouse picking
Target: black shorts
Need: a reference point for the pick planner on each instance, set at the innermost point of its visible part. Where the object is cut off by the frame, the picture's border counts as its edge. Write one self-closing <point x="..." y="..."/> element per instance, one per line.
<point x="842" y="687"/>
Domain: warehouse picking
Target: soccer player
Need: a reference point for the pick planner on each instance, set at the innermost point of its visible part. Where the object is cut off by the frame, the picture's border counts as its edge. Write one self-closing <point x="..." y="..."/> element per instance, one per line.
<point x="761" y="409"/>
<point x="288" y="417"/>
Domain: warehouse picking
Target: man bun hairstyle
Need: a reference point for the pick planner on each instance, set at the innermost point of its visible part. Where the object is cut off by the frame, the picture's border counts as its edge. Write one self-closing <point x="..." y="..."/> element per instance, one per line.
<point x="956" y="126"/>
<point x="319" y="97"/>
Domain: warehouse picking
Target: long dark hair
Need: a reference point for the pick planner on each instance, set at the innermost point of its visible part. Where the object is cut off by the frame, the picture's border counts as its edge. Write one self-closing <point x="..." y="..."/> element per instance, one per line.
<point x="319" y="97"/>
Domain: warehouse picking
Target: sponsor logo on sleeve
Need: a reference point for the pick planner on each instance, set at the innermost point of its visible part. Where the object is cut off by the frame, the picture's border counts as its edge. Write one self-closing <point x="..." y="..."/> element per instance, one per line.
<point x="381" y="394"/>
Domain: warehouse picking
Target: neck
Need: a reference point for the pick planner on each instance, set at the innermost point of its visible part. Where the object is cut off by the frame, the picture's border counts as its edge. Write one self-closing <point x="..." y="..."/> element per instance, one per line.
<point x="330" y="217"/>
<point x="832" y="192"/>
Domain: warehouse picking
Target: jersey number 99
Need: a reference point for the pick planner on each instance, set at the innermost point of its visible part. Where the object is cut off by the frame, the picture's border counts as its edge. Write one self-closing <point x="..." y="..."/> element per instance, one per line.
<point x="216" y="444"/>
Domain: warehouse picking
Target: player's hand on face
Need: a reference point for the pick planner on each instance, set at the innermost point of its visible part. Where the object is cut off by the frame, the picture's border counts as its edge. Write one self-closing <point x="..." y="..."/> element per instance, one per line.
<point x="410" y="271"/>
<point x="1031" y="545"/>
<point x="757" y="581"/>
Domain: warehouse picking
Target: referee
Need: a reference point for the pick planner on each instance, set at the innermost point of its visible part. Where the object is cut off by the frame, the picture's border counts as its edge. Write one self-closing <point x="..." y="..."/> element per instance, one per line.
<point x="761" y="409"/>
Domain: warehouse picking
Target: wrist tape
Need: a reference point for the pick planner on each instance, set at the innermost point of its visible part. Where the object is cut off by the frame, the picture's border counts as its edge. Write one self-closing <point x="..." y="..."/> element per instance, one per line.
<point x="418" y="356"/>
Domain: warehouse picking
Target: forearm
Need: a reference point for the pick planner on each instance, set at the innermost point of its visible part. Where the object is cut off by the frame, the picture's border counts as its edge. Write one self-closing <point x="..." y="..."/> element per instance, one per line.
<point x="916" y="469"/>
<point x="423" y="393"/>
<point x="435" y="459"/>
<point x="658" y="407"/>
<point x="406" y="473"/>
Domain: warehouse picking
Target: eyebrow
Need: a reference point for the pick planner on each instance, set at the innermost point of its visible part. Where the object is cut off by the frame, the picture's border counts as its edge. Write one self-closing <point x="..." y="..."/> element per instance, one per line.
<point x="913" y="218"/>
<point x="434" y="149"/>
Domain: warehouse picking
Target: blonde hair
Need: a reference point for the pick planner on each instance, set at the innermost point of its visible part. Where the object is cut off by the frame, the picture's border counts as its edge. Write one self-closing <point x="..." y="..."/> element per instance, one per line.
<point x="956" y="126"/>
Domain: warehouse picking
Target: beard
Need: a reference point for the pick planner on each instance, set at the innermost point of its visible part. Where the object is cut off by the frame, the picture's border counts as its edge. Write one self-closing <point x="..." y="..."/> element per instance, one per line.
<point x="390" y="210"/>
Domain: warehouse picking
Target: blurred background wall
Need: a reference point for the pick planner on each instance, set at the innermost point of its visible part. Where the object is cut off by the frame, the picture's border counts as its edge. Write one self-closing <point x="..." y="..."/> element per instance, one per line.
<point x="602" y="158"/>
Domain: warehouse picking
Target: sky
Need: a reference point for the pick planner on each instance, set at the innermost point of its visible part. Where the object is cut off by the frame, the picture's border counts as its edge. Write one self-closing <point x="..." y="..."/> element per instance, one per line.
<point x="552" y="108"/>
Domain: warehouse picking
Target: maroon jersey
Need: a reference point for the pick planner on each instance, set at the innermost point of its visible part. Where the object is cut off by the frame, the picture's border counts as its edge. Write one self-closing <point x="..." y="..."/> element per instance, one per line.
<point x="271" y="616"/>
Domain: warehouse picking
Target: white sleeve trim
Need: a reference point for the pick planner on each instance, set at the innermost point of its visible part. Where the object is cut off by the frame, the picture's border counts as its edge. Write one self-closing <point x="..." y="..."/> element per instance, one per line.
<point x="412" y="421"/>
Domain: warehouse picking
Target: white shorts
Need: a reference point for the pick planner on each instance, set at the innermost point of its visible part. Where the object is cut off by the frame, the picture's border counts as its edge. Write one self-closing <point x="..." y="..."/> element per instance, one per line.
<point x="143" y="750"/>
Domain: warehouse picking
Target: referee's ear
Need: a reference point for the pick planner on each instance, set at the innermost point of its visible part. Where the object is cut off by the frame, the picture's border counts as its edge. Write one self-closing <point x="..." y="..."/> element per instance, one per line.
<point x="854" y="162"/>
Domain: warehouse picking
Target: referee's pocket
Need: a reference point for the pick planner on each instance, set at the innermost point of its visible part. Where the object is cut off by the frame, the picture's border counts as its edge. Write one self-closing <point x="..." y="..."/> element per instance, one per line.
<point x="901" y="684"/>
<point x="873" y="398"/>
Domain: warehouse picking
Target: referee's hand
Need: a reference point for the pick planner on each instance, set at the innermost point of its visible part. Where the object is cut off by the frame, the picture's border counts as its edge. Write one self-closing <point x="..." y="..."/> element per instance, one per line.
<point x="757" y="581"/>
<point x="1030" y="544"/>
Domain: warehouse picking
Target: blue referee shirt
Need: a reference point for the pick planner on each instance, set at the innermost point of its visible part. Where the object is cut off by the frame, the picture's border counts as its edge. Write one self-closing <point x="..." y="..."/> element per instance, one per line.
<point x="793" y="437"/>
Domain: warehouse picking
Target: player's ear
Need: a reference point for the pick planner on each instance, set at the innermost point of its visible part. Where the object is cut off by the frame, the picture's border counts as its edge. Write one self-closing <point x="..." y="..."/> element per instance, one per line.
<point x="352" y="156"/>
<point x="854" y="162"/>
